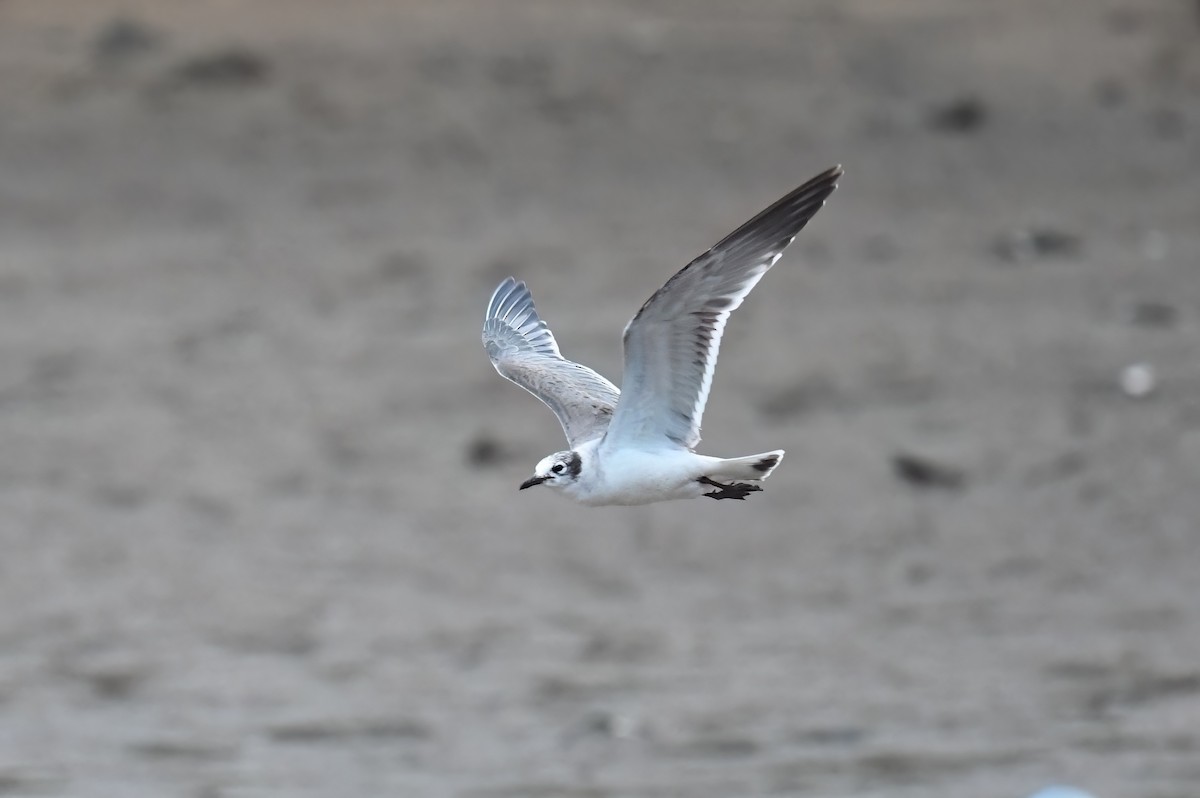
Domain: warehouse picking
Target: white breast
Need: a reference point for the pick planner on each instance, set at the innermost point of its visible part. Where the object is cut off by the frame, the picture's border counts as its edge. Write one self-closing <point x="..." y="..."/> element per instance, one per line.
<point x="635" y="476"/>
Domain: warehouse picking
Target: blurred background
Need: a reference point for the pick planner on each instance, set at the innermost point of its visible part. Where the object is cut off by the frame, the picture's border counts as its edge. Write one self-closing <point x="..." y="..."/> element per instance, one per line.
<point x="259" y="523"/>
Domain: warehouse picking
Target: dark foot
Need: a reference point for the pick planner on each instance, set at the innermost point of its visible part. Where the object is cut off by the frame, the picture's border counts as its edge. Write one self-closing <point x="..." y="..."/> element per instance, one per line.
<point x="734" y="490"/>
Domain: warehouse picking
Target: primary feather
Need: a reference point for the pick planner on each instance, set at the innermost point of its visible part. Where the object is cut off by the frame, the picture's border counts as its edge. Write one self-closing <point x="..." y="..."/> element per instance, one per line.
<point x="523" y="350"/>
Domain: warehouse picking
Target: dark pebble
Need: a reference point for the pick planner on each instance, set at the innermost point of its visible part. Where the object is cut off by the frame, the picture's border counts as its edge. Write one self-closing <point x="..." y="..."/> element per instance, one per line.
<point x="961" y="115"/>
<point x="122" y="40"/>
<point x="232" y="68"/>
<point x="922" y="472"/>
<point x="484" y="451"/>
<point x="1036" y="243"/>
<point x="1154" y="315"/>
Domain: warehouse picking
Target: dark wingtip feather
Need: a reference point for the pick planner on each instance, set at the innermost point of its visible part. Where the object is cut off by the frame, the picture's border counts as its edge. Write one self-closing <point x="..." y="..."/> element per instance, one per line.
<point x="776" y="226"/>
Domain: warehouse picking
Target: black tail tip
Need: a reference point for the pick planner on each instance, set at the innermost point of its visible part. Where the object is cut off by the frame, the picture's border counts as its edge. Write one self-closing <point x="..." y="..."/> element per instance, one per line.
<point x="766" y="464"/>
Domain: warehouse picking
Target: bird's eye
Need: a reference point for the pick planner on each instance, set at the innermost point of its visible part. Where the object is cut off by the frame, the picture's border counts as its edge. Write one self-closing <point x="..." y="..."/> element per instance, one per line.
<point x="557" y="469"/>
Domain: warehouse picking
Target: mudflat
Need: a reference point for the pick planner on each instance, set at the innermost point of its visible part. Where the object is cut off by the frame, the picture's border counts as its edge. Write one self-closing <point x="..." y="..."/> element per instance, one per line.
<point x="261" y="534"/>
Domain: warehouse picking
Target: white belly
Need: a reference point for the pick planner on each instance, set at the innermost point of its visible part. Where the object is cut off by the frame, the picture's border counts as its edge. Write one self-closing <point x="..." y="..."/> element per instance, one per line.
<point x="641" y="477"/>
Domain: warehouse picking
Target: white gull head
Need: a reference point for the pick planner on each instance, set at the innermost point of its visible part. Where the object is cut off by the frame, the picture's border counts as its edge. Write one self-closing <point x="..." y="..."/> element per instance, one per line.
<point x="556" y="471"/>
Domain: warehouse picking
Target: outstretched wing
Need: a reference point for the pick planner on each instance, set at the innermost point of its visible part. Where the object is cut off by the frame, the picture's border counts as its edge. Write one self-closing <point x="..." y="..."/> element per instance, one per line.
<point x="523" y="350"/>
<point x="671" y="344"/>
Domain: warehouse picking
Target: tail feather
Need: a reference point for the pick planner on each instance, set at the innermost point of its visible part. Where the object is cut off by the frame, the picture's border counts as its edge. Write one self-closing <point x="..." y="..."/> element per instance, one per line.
<point x="755" y="466"/>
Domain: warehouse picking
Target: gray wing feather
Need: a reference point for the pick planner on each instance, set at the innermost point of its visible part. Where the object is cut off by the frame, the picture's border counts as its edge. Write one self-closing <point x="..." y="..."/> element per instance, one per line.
<point x="671" y="345"/>
<point x="523" y="350"/>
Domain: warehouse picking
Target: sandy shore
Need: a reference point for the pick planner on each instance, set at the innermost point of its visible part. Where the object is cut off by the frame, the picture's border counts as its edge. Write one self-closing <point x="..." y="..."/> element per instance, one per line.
<point x="261" y="534"/>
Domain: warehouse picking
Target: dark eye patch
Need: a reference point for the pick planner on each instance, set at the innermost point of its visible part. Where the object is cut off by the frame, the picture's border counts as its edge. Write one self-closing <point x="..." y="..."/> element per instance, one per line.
<point x="557" y="469"/>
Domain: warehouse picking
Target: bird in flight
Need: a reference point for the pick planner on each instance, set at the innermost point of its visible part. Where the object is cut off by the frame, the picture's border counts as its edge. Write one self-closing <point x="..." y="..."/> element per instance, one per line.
<point x="637" y="445"/>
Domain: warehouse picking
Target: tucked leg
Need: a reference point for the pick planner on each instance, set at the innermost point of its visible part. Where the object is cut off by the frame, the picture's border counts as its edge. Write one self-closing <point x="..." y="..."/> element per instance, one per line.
<point x="734" y="490"/>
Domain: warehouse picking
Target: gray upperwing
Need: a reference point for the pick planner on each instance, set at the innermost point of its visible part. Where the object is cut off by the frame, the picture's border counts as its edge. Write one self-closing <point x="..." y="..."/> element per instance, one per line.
<point x="524" y="351"/>
<point x="671" y="345"/>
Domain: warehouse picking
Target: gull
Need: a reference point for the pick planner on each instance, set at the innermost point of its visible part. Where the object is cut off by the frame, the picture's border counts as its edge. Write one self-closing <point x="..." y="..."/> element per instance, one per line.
<point x="637" y="446"/>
